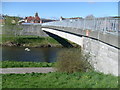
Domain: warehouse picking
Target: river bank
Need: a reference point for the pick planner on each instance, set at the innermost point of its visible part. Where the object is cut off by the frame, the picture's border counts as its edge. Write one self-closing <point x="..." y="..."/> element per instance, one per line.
<point x="56" y="79"/>
<point x="33" y="41"/>
<point x="14" y="44"/>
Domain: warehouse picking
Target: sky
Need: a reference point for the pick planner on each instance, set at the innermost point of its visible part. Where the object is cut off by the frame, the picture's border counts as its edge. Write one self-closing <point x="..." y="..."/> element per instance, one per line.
<point x="57" y="9"/>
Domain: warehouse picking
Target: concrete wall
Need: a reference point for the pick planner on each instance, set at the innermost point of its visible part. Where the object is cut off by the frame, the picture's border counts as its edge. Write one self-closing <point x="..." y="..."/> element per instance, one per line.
<point x="104" y="58"/>
<point x="32" y="30"/>
<point x="23" y="30"/>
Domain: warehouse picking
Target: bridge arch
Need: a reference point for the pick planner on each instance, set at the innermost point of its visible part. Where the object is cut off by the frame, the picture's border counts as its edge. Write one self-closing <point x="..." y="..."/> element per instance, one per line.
<point x="76" y="39"/>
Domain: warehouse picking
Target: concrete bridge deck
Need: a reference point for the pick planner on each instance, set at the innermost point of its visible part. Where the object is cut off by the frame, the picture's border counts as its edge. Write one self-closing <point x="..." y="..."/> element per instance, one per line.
<point x="105" y="37"/>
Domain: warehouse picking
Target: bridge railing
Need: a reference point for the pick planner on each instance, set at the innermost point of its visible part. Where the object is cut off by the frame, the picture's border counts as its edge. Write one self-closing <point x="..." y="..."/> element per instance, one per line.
<point x="109" y="25"/>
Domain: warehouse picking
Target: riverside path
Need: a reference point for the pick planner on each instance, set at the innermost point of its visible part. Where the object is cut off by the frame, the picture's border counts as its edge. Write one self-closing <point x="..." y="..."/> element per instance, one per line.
<point x="26" y="70"/>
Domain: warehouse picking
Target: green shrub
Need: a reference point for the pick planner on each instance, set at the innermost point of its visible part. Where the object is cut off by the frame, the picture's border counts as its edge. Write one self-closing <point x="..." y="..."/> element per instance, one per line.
<point x="72" y="61"/>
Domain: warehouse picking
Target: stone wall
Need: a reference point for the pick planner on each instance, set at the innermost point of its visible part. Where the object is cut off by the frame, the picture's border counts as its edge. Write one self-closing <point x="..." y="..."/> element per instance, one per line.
<point x="32" y="30"/>
<point x="103" y="58"/>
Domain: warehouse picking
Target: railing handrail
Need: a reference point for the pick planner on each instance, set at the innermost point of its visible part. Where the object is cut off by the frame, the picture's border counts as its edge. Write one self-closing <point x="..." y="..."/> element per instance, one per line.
<point x="109" y="25"/>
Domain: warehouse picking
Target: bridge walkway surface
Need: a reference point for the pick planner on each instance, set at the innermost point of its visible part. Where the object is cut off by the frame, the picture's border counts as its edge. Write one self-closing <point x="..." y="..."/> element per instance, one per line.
<point x="26" y="70"/>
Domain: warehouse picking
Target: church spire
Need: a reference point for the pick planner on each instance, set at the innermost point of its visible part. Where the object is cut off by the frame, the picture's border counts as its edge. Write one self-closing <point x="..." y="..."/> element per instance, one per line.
<point x="36" y="14"/>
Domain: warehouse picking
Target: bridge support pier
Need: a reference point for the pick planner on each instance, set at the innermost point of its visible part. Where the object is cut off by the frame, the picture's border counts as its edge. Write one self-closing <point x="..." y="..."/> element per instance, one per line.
<point x="103" y="58"/>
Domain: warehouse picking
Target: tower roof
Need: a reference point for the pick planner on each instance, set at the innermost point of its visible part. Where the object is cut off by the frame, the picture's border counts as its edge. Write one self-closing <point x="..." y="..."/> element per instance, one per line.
<point x="36" y="14"/>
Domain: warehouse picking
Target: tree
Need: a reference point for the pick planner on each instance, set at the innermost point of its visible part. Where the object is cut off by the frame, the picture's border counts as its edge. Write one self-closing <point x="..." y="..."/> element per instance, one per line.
<point x="11" y="20"/>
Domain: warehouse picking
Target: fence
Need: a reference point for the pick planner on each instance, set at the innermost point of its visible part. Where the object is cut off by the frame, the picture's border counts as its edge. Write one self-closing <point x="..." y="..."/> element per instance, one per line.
<point x="109" y="25"/>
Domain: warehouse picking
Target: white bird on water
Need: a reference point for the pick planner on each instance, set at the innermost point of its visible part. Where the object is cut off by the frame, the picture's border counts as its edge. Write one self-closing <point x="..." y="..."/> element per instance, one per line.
<point x="27" y="49"/>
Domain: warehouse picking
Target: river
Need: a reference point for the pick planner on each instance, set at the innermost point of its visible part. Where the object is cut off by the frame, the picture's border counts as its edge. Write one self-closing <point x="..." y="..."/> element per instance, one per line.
<point x="34" y="55"/>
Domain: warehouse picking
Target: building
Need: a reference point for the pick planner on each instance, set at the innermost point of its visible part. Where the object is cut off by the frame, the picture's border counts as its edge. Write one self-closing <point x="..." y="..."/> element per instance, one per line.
<point x="35" y="19"/>
<point x="31" y="19"/>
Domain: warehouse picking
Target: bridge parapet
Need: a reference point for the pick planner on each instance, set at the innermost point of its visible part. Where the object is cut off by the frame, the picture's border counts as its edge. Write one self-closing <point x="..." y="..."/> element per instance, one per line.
<point x="109" y="25"/>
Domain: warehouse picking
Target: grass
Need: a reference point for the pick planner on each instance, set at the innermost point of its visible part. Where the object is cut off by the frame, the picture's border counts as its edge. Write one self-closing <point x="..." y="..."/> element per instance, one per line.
<point x="12" y="64"/>
<point x="59" y="80"/>
<point x="29" y="40"/>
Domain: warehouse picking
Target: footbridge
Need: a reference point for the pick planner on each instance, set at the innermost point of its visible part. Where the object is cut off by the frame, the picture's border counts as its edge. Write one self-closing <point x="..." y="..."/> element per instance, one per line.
<point x="97" y="37"/>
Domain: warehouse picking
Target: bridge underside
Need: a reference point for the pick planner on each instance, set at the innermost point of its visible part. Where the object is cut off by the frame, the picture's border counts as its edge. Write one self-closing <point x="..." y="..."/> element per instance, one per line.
<point x="76" y="39"/>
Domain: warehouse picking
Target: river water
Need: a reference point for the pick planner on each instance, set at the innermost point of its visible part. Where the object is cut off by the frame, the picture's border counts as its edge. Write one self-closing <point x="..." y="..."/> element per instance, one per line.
<point x="34" y="55"/>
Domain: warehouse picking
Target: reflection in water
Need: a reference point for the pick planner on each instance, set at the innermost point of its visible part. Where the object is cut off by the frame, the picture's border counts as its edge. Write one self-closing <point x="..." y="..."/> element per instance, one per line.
<point x="49" y="54"/>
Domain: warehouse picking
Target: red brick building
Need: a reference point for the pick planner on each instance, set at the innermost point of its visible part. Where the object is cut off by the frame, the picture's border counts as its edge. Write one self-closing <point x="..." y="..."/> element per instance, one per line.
<point x="34" y="19"/>
<point x="31" y="19"/>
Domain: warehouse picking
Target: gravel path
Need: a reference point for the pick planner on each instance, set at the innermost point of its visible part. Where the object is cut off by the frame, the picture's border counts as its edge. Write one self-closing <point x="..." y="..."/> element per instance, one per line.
<point x="26" y="70"/>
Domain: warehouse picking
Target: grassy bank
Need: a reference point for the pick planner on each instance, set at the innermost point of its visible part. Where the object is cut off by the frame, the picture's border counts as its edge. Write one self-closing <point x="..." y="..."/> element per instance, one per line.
<point x="31" y="41"/>
<point x="59" y="80"/>
<point x="12" y="64"/>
